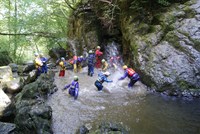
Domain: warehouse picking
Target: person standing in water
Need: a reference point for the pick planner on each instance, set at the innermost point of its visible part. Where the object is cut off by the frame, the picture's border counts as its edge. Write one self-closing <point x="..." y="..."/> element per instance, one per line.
<point x="102" y="77"/>
<point x="132" y="75"/>
<point x="98" y="55"/>
<point x="91" y="62"/>
<point x="104" y="65"/>
<point x="73" y="87"/>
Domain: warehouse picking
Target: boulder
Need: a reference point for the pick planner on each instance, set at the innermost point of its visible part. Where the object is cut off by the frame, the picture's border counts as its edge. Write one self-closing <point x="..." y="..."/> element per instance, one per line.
<point x="7" y="128"/>
<point x="56" y="53"/>
<point x="32" y="114"/>
<point x="5" y="74"/>
<point x="4" y="102"/>
<point x="13" y="66"/>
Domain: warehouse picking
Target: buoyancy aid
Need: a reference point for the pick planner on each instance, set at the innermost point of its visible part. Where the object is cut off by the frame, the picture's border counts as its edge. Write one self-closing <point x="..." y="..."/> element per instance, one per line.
<point x="73" y="85"/>
<point x="38" y="62"/>
<point x="131" y="72"/>
<point x="101" y="77"/>
<point x="62" y="64"/>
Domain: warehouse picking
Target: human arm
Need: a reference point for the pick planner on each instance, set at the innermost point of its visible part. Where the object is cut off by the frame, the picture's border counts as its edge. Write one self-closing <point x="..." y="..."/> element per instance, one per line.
<point x="124" y="76"/>
<point x="76" y="91"/>
<point x="66" y="86"/>
<point x="106" y="80"/>
<point x="98" y="53"/>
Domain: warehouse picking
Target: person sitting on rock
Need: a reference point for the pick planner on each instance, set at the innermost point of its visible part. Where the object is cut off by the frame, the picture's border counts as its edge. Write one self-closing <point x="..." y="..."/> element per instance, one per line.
<point x="132" y="75"/>
<point x="102" y="77"/>
<point x="73" y="87"/>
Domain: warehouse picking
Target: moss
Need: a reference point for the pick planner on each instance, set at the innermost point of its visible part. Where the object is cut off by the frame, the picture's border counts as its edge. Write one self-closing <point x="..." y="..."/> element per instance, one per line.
<point x="190" y="13"/>
<point x="185" y="85"/>
<point x="166" y="74"/>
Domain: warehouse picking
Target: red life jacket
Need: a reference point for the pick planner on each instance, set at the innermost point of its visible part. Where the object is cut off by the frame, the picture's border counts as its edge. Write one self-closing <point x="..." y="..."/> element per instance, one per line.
<point x="130" y="72"/>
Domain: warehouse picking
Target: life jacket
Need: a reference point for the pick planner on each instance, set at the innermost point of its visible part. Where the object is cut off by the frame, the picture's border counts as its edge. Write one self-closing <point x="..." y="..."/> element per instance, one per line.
<point x="131" y="72"/>
<point x="91" y="58"/>
<point x="38" y="62"/>
<point x="62" y="64"/>
<point x="73" y="85"/>
<point x="101" y="77"/>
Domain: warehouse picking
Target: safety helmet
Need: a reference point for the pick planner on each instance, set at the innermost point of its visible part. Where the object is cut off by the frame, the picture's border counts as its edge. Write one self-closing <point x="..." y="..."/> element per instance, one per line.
<point x="106" y="73"/>
<point x="81" y="56"/>
<point x="125" y="67"/>
<point x="90" y="51"/>
<point x="76" y="78"/>
<point x="98" y="47"/>
<point x="103" y="60"/>
<point x="62" y="58"/>
<point x="41" y="54"/>
<point x="36" y="54"/>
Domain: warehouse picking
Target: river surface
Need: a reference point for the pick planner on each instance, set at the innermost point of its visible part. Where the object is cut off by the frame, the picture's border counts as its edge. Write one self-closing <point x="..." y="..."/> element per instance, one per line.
<point x="140" y="111"/>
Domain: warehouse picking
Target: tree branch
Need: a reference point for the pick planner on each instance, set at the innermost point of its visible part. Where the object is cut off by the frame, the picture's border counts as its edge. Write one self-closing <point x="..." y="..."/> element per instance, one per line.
<point x="42" y="34"/>
<point x="69" y="5"/>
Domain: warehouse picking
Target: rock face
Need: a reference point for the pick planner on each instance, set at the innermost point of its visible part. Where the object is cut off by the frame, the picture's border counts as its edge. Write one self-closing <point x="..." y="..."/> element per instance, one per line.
<point x="168" y="58"/>
<point x="32" y="114"/>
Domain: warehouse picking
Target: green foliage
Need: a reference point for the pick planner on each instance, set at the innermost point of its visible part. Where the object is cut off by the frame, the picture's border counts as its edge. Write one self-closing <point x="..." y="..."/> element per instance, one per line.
<point x="32" y="26"/>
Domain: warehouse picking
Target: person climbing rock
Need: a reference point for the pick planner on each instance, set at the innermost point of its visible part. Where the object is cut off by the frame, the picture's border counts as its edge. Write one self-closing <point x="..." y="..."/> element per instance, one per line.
<point x="132" y="75"/>
<point x="73" y="87"/>
<point x="38" y="64"/>
<point x="91" y="62"/>
<point x="102" y="77"/>
<point x="104" y="65"/>
<point x="62" y="67"/>
<point x="44" y="60"/>
<point x="98" y="55"/>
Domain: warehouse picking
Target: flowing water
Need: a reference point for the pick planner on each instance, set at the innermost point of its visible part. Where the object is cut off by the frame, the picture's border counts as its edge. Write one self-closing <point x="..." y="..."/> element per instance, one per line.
<point x="142" y="112"/>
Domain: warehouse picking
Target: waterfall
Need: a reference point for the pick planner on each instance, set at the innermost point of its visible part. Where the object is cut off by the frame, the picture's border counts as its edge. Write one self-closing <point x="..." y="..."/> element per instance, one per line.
<point x="113" y="55"/>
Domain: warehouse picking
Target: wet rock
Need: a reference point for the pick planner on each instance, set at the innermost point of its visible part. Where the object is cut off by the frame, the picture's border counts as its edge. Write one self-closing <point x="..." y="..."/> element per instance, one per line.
<point x="7" y="128"/>
<point x="14" y="67"/>
<point x="33" y="115"/>
<point x="169" y="57"/>
<point x="25" y="68"/>
<point x="109" y="127"/>
<point x="4" y="102"/>
<point x="83" y="130"/>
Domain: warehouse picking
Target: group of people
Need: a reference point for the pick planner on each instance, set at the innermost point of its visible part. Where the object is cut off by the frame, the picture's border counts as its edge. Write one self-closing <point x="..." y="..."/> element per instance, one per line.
<point x="94" y="60"/>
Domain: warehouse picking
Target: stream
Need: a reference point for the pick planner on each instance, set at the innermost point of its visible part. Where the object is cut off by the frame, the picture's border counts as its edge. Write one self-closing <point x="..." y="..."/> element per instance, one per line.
<point x="141" y="111"/>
